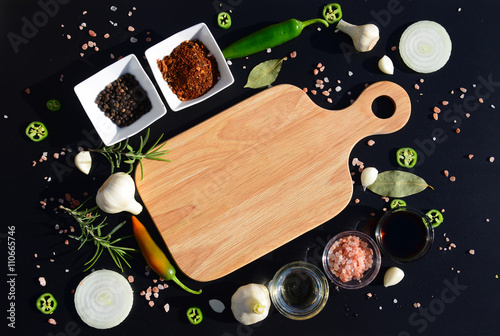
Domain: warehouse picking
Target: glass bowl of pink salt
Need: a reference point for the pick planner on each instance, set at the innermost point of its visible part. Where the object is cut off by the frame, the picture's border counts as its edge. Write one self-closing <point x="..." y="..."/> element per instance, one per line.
<point x="351" y="259"/>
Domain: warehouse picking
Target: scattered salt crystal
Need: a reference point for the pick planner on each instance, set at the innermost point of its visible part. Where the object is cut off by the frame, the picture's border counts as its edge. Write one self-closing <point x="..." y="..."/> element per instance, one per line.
<point x="268" y="50"/>
<point x="216" y="305"/>
<point x="349" y="73"/>
<point x="42" y="281"/>
<point x="166" y="307"/>
<point x="113" y="8"/>
<point x="133" y="39"/>
<point x="52" y="321"/>
<point x="338" y="88"/>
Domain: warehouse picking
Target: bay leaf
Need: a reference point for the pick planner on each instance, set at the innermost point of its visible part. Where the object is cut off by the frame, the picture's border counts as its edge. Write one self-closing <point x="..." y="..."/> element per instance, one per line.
<point x="397" y="183"/>
<point x="264" y="74"/>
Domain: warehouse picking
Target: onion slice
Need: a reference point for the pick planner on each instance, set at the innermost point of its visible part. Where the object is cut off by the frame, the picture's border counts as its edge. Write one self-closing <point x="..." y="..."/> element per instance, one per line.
<point x="425" y="46"/>
<point x="103" y="299"/>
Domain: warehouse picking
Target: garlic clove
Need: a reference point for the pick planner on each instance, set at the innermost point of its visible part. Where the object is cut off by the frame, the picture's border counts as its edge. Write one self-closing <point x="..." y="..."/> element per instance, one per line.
<point x="117" y="194"/>
<point x="385" y="65"/>
<point x="368" y="176"/>
<point x="83" y="161"/>
<point x="393" y="276"/>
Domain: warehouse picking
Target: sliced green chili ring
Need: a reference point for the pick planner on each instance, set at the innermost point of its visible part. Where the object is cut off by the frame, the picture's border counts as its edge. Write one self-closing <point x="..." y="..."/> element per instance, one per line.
<point x="194" y="315"/>
<point x="435" y="217"/>
<point x="53" y="105"/>
<point x="37" y="131"/>
<point x="332" y="13"/>
<point x="46" y="303"/>
<point x="406" y="157"/>
<point x="224" y="20"/>
<point x="396" y="203"/>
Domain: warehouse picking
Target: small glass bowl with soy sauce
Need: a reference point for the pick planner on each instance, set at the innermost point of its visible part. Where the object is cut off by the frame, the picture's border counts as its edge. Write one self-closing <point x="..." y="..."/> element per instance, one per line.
<point x="404" y="234"/>
<point x="299" y="290"/>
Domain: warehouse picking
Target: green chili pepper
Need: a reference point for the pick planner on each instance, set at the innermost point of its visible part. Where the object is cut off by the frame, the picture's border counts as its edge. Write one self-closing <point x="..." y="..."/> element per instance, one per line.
<point x="194" y="315"/>
<point x="224" y="20"/>
<point x="332" y="13"/>
<point x="54" y="105"/>
<point x="396" y="203"/>
<point x="154" y="256"/>
<point x="46" y="303"/>
<point x="37" y="131"/>
<point x="406" y="157"/>
<point x="268" y="37"/>
<point x="435" y="217"/>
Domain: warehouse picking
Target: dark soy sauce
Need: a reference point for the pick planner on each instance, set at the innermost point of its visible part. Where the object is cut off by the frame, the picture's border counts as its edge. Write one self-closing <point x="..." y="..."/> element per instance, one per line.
<point x="298" y="289"/>
<point x="404" y="235"/>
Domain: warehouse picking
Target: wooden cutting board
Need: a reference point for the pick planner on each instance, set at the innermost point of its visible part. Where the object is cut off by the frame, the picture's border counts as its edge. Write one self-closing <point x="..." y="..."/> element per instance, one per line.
<point x="258" y="175"/>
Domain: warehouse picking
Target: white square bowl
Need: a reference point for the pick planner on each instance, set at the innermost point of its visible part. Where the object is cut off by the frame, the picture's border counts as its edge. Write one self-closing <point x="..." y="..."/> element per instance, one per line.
<point x="88" y="90"/>
<point x="165" y="47"/>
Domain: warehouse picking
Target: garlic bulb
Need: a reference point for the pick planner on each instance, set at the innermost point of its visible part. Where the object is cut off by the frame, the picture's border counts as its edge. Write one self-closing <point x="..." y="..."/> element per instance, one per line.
<point x="393" y="276"/>
<point x="83" y="161"/>
<point x="385" y="65"/>
<point x="368" y="176"/>
<point x="117" y="195"/>
<point x="363" y="37"/>
<point x="250" y="303"/>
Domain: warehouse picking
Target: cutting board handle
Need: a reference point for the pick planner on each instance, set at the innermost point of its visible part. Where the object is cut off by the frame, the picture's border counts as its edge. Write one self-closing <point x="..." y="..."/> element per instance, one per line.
<point x="371" y="123"/>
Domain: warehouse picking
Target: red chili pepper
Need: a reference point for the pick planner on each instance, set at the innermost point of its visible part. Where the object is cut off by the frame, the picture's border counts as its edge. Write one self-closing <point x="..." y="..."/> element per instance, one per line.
<point x="154" y="256"/>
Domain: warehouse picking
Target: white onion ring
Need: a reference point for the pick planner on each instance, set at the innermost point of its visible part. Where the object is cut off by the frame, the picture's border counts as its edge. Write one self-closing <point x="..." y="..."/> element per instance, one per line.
<point x="103" y="299"/>
<point x="425" y="46"/>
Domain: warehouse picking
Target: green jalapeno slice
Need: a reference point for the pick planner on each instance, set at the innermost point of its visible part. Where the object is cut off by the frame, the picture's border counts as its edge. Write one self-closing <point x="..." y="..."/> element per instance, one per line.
<point x="194" y="315"/>
<point x="435" y="217"/>
<point x="46" y="303"/>
<point x="36" y="131"/>
<point x="332" y="13"/>
<point x="396" y="203"/>
<point x="53" y="105"/>
<point x="406" y="157"/>
<point x="224" y="20"/>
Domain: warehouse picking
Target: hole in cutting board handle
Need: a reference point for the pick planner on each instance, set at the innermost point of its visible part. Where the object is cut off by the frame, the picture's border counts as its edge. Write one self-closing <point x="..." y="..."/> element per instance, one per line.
<point x="383" y="107"/>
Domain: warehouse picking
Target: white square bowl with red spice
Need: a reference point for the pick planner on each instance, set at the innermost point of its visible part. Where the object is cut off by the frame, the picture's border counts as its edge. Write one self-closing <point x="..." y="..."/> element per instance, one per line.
<point x="164" y="48"/>
<point x="351" y="259"/>
<point x="88" y="90"/>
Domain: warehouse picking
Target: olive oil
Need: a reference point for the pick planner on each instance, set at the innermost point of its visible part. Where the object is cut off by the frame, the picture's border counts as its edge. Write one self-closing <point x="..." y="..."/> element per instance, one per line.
<point x="404" y="235"/>
<point x="299" y="289"/>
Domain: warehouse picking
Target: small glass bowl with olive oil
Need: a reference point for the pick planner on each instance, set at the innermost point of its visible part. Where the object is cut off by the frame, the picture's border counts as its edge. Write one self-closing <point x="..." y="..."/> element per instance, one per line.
<point x="404" y="234"/>
<point x="299" y="290"/>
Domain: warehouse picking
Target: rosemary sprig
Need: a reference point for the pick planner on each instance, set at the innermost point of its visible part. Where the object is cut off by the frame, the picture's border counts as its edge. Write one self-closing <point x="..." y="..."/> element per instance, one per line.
<point x="92" y="232"/>
<point x="123" y="150"/>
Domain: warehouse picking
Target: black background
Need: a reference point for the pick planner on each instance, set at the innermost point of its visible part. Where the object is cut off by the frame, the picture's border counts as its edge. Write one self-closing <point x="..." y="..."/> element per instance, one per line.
<point x="50" y="65"/>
